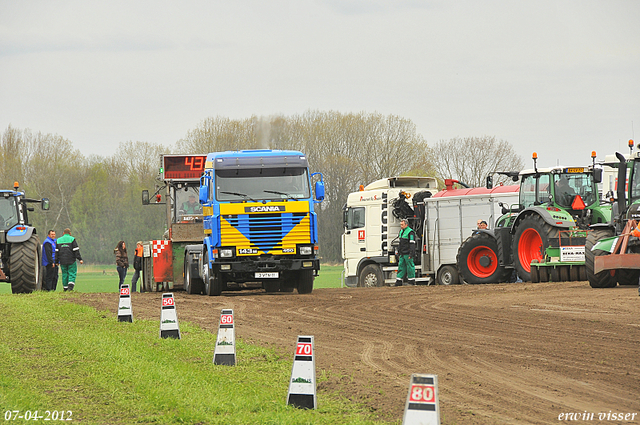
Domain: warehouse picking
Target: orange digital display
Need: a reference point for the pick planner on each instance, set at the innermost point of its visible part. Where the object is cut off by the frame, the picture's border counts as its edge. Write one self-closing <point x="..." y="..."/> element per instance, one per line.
<point x="183" y="167"/>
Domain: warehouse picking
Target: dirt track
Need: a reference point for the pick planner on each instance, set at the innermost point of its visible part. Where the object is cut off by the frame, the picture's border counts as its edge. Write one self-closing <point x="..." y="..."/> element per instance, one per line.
<point x="504" y="354"/>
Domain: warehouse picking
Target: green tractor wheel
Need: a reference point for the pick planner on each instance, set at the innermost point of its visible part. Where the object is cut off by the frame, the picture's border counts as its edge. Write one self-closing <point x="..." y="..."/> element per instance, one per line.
<point x="530" y="241"/>
<point x="603" y="279"/>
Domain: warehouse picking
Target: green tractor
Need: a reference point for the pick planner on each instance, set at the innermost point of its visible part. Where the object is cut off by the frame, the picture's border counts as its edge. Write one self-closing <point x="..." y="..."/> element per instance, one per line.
<point x="543" y="237"/>
<point x="613" y="248"/>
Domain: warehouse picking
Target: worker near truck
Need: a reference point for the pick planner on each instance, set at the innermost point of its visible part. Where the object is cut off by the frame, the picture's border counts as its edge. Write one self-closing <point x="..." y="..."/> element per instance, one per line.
<point x="406" y="253"/>
<point x="137" y="266"/>
<point x="67" y="252"/>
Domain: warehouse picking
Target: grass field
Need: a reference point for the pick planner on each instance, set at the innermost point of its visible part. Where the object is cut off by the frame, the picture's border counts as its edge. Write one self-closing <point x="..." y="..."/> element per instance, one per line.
<point x="64" y="357"/>
<point x="104" y="278"/>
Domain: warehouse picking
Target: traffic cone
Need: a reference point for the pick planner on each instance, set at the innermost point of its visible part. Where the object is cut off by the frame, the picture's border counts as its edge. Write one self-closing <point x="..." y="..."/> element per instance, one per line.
<point x="124" y="306"/>
<point x="302" y="386"/>
<point x="225" y="352"/>
<point x="169" y="318"/>
<point x="422" y="406"/>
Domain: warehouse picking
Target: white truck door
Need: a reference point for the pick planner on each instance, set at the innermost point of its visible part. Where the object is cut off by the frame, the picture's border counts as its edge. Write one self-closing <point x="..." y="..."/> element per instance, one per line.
<point x="354" y="234"/>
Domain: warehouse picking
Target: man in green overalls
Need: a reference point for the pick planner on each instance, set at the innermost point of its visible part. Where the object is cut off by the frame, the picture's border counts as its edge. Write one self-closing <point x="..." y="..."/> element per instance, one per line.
<point x="67" y="252"/>
<point x="406" y="252"/>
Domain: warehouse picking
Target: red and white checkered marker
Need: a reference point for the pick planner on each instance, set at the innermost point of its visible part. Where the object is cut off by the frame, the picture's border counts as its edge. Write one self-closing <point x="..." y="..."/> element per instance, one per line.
<point x="302" y="386"/>
<point x="225" y="352"/>
<point x="125" y="314"/>
<point x="169" y="318"/>
<point x="158" y="246"/>
<point x="422" y="407"/>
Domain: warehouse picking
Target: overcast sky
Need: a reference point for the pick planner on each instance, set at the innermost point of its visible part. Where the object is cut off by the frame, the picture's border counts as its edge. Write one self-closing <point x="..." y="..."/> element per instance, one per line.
<point x="558" y="77"/>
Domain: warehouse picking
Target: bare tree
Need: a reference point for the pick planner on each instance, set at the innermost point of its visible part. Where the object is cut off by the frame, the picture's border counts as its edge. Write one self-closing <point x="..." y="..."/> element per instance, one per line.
<point x="472" y="159"/>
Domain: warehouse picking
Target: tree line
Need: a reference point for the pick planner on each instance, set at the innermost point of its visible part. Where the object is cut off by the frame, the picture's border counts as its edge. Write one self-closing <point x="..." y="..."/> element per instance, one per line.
<point x="99" y="198"/>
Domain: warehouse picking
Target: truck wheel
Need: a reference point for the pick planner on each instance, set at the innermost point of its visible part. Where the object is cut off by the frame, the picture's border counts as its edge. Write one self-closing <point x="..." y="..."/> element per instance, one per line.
<point x="478" y="260"/>
<point x="192" y="284"/>
<point x="305" y="281"/>
<point x="271" y="286"/>
<point x="370" y="276"/>
<point x="25" y="270"/>
<point x="529" y="243"/>
<point x="448" y="275"/>
<point x="212" y="283"/>
<point x="628" y="277"/>
<point x="604" y="279"/>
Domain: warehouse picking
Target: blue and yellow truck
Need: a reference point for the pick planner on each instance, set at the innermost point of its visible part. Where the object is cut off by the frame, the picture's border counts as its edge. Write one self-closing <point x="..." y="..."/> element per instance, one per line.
<point x="259" y="223"/>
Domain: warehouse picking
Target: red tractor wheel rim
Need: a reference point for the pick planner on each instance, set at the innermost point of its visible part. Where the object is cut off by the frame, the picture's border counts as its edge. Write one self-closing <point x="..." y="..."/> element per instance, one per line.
<point x="529" y="248"/>
<point x="473" y="261"/>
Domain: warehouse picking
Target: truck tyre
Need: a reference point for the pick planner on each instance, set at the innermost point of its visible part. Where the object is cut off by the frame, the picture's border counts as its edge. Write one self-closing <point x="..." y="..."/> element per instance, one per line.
<point x="212" y="283"/>
<point x="25" y="266"/>
<point x="192" y="284"/>
<point x="448" y="275"/>
<point x="530" y="241"/>
<point x="628" y="277"/>
<point x="604" y="279"/>
<point x="271" y="286"/>
<point x="574" y="273"/>
<point x="305" y="281"/>
<point x="478" y="260"/>
<point x="370" y="276"/>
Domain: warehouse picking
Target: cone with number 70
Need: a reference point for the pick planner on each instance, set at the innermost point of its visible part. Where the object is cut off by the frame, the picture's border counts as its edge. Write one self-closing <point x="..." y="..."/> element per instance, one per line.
<point x="302" y="385"/>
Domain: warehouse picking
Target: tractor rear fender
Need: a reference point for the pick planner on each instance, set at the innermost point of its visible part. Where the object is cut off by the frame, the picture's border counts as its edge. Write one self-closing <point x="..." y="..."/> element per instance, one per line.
<point x="560" y="219"/>
<point x="18" y="236"/>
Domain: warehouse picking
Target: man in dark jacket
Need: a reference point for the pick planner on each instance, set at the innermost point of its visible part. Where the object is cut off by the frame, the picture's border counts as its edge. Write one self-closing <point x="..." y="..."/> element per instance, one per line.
<point x="67" y="252"/>
<point x="49" y="262"/>
<point x="406" y="252"/>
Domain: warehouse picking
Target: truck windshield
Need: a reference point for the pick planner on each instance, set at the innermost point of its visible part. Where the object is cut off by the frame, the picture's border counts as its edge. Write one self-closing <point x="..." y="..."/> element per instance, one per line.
<point x="260" y="184"/>
<point x="8" y="213"/>
<point x="567" y="186"/>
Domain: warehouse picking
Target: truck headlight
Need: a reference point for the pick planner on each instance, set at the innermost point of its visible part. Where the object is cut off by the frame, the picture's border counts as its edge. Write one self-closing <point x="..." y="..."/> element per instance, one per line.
<point x="306" y="250"/>
<point x="226" y="252"/>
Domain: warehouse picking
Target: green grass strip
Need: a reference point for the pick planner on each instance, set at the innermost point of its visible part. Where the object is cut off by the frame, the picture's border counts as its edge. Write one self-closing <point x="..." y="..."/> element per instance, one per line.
<point x="57" y="355"/>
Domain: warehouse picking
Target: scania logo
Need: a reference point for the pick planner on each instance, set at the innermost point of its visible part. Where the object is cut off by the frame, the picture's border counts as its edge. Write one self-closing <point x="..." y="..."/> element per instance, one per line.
<point x="265" y="208"/>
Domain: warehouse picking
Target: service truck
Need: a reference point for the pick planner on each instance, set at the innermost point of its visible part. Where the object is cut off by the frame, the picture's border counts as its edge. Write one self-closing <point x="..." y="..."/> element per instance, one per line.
<point x="259" y="223"/>
<point x="441" y="220"/>
<point x="178" y="185"/>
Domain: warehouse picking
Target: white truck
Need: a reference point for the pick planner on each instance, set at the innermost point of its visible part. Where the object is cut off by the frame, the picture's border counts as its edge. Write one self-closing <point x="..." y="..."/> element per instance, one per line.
<point x="442" y="221"/>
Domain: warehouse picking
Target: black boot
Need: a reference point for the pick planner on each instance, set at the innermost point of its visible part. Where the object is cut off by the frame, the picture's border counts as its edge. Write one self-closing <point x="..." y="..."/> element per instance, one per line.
<point x="398" y="282"/>
<point x="412" y="282"/>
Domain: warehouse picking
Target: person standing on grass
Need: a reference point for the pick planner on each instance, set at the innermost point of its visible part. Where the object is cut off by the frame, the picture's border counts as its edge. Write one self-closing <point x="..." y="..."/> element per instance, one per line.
<point x="49" y="262"/>
<point x="137" y="266"/>
<point x="67" y="252"/>
<point x="122" y="261"/>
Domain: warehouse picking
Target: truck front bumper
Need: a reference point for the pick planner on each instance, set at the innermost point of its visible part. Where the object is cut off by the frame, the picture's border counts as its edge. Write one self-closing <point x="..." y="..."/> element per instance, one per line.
<point x="265" y="265"/>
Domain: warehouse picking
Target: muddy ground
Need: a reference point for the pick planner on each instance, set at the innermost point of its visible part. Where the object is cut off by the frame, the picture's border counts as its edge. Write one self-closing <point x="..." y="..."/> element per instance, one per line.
<point x="516" y="353"/>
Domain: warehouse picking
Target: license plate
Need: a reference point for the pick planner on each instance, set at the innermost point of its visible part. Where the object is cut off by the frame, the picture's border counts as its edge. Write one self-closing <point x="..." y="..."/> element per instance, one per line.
<point x="270" y="275"/>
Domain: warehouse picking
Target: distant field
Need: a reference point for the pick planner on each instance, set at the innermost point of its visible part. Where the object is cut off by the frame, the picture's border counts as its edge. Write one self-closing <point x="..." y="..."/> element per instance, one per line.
<point x="104" y="278"/>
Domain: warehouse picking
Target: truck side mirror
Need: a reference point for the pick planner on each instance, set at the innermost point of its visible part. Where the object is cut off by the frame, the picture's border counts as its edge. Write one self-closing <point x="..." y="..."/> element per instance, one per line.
<point x="597" y="175"/>
<point x="145" y="197"/>
<point x="320" y="190"/>
<point x="204" y="189"/>
<point x="45" y="204"/>
<point x="489" y="182"/>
